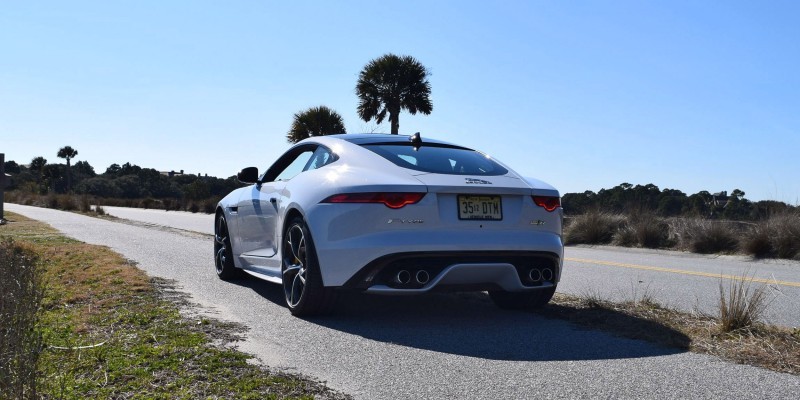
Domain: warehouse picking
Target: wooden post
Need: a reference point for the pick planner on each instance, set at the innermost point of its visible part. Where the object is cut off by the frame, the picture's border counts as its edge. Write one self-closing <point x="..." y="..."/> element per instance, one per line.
<point x="3" y="183"/>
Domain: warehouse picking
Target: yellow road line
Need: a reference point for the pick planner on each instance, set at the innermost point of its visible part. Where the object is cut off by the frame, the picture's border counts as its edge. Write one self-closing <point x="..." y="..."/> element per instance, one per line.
<point x="684" y="272"/>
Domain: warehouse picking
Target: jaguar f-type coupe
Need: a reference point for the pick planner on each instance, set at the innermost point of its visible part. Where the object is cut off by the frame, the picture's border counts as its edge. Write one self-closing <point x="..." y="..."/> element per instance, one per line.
<point x="391" y="214"/>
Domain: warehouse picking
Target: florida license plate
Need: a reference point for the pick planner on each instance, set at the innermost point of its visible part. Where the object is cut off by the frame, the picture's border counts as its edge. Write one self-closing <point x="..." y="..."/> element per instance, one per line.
<point x="480" y="207"/>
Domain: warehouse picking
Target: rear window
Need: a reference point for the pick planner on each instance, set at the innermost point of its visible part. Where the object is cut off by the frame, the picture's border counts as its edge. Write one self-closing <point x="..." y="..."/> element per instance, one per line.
<point x="438" y="159"/>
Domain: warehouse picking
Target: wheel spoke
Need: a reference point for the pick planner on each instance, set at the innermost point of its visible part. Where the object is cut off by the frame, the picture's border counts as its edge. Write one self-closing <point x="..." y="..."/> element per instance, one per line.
<point x="290" y="271"/>
<point x="297" y="289"/>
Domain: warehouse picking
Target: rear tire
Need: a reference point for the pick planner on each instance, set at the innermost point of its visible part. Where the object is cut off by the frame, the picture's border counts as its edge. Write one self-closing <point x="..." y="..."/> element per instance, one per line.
<point x="301" y="278"/>
<point x="522" y="300"/>
<point x="223" y="252"/>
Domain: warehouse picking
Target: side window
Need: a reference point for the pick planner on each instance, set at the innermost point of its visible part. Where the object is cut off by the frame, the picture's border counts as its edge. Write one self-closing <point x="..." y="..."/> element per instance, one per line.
<point x="295" y="167"/>
<point x="320" y="158"/>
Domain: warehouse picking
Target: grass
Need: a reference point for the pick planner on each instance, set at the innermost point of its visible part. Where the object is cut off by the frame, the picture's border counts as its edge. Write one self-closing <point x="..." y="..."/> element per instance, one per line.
<point x="110" y="332"/>
<point x="592" y="228"/>
<point x="21" y="295"/>
<point x="742" y="304"/>
<point x="81" y="202"/>
<point x="757" y="344"/>
<point x="777" y="236"/>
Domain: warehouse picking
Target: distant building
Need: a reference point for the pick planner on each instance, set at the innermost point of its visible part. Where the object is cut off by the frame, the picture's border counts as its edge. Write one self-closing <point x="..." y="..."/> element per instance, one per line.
<point x="720" y="199"/>
<point x="171" y="173"/>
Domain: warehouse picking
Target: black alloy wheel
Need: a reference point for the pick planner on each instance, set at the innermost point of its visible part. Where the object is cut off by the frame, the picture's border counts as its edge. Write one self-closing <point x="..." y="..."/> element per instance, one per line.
<point x="223" y="253"/>
<point x="301" y="278"/>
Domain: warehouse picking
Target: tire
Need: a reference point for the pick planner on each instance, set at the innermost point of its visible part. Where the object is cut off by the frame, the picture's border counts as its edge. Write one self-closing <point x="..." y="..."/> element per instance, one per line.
<point x="301" y="278"/>
<point x="223" y="252"/>
<point x="522" y="300"/>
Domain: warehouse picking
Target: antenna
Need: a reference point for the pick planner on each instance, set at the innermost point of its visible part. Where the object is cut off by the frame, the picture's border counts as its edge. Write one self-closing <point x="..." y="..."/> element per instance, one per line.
<point x="416" y="141"/>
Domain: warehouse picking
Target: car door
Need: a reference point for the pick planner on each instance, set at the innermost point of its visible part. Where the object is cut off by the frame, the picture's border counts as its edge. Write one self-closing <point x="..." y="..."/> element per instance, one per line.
<point x="258" y="211"/>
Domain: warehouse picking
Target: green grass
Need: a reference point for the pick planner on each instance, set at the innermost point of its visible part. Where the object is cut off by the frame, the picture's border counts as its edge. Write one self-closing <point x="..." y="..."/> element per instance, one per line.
<point x="110" y="333"/>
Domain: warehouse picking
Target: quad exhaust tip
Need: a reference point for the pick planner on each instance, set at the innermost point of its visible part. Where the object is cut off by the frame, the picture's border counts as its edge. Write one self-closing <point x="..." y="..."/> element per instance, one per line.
<point x="547" y="274"/>
<point x="423" y="277"/>
<point x="403" y="277"/>
<point x="536" y="275"/>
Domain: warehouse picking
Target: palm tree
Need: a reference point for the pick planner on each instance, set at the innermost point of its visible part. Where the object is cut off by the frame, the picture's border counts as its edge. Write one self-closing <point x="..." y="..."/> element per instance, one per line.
<point x="316" y="121"/>
<point x="68" y="153"/>
<point x="389" y="84"/>
<point x="37" y="164"/>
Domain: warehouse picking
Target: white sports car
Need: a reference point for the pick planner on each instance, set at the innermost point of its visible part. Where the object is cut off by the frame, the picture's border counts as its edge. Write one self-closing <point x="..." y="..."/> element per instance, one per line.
<point x="394" y="215"/>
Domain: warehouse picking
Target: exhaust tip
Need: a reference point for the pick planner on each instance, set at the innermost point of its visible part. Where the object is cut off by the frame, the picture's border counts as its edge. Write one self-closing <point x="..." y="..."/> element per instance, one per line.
<point x="423" y="277"/>
<point x="403" y="277"/>
<point x="547" y="274"/>
<point x="535" y="275"/>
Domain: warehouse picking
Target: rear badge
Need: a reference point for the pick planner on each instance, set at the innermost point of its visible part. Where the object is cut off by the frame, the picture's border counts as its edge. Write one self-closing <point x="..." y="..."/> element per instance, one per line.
<point x="473" y="181"/>
<point x="404" y="221"/>
<point x="538" y="222"/>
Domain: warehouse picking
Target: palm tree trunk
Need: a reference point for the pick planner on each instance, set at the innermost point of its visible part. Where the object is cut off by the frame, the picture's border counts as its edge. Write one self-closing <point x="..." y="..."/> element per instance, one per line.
<point x="395" y="120"/>
<point x="69" y="177"/>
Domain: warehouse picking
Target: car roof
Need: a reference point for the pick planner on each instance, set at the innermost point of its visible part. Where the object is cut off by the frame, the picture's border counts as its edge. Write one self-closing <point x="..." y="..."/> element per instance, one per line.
<point x="373" y="138"/>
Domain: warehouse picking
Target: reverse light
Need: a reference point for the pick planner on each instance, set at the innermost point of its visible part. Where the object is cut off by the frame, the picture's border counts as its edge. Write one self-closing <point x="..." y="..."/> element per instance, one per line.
<point x="391" y="200"/>
<point x="549" y="203"/>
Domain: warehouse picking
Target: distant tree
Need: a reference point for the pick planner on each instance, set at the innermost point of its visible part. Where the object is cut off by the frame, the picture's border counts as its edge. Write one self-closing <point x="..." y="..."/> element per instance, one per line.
<point x="84" y="168"/>
<point x="68" y="153"/>
<point x="389" y="84"/>
<point x="37" y="164"/>
<point x="52" y="177"/>
<point x="101" y="187"/>
<point x="113" y="170"/>
<point x="11" y="167"/>
<point x="316" y="121"/>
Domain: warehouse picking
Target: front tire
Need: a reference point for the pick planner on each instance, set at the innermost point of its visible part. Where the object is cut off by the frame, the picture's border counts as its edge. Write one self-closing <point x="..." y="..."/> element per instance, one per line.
<point x="522" y="300"/>
<point x="301" y="278"/>
<point x="223" y="252"/>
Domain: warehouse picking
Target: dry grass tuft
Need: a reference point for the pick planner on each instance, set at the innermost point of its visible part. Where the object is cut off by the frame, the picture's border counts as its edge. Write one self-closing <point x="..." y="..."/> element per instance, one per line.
<point x="643" y="230"/>
<point x="594" y="227"/>
<point x="778" y="236"/>
<point x="743" y="305"/>
<point x="706" y="237"/>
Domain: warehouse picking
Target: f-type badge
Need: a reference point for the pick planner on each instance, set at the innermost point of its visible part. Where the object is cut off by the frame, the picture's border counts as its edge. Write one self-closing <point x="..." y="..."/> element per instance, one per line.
<point x="473" y="181"/>
<point x="404" y="221"/>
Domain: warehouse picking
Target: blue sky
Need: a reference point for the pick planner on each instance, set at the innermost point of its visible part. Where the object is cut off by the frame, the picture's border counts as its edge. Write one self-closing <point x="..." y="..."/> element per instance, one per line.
<point x="689" y="95"/>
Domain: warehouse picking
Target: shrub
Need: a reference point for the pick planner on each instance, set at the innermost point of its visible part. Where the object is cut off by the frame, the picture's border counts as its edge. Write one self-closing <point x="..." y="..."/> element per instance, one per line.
<point x="643" y="230"/>
<point x="21" y="294"/>
<point x="594" y="227"/>
<point x="706" y="237"/>
<point x="743" y="305"/>
<point x="757" y="242"/>
<point x="779" y="236"/>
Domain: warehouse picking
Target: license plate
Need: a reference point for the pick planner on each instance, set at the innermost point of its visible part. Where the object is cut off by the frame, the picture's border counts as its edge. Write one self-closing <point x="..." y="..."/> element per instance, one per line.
<point x="480" y="207"/>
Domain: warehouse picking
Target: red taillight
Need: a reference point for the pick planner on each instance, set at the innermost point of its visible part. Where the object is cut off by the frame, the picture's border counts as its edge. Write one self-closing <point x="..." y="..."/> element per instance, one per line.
<point x="391" y="200"/>
<point x="549" y="203"/>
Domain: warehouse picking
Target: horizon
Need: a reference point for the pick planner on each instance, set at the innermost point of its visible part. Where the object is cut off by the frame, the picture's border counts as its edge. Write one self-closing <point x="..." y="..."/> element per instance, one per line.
<point x="584" y="96"/>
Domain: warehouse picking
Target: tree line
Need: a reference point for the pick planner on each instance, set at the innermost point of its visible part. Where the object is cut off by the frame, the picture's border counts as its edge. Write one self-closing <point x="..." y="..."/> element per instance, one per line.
<point x="626" y="198"/>
<point x="126" y="181"/>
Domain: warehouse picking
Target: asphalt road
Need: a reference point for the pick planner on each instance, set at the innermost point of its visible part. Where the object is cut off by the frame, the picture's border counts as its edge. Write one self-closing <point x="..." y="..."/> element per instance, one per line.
<point x="457" y="346"/>
<point x="689" y="282"/>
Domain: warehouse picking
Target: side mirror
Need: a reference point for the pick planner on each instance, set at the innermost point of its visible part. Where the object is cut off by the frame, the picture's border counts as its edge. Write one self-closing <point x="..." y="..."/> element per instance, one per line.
<point x="248" y="175"/>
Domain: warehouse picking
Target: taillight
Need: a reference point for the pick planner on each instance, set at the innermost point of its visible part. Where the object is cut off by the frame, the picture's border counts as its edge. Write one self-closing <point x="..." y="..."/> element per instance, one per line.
<point x="549" y="203"/>
<point x="391" y="200"/>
